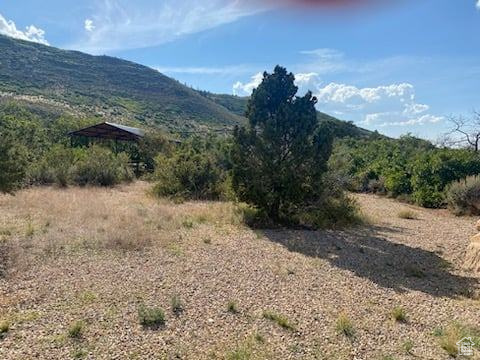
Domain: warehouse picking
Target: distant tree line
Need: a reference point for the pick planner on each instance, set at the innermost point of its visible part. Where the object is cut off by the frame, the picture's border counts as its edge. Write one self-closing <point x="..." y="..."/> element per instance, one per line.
<point x="408" y="168"/>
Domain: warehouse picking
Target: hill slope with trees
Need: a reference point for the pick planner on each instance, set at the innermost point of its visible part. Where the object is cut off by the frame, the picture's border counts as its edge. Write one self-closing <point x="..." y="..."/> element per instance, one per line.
<point x="105" y="86"/>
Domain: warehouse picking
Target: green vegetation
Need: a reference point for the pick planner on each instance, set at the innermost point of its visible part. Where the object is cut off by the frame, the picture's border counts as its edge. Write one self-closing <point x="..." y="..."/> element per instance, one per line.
<point x="408" y="168"/>
<point x="345" y="326"/>
<point x="277" y="163"/>
<point x="36" y="151"/>
<point x="280" y="319"/>
<point x="151" y="317"/>
<point x="232" y="307"/>
<point x="399" y="314"/>
<point x="463" y="196"/>
<point x="76" y="329"/>
<point x="279" y="160"/>
<point x="12" y="163"/>
<point x="80" y="354"/>
<point x="194" y="170"/>
<point x="408" y="347"/>
<point x="85" y="166"/>
<point x="106" y="86"/>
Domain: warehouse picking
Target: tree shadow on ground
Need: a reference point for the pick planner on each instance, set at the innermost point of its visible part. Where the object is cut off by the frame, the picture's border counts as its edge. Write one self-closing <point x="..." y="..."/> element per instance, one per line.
<point x="367" y="254"/>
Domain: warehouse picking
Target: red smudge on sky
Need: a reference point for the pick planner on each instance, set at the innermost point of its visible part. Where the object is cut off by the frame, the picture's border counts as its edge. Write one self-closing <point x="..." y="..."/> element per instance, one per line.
<point x="325" y="4"/>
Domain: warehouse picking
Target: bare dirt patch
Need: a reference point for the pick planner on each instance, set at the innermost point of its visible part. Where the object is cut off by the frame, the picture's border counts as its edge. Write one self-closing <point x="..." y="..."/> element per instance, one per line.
<point x="96" y="256"/>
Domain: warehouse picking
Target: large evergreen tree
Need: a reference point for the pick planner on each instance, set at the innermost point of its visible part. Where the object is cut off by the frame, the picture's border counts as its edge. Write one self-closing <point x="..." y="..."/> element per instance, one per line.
<point x="280" y="156"/>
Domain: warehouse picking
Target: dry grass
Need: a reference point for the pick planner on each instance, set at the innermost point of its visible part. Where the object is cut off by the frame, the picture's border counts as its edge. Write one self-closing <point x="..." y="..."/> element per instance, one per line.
<point x="345" y="326"/>
<point x="407" y="214"/>
<point x="99" y="254"/>
<point x="46" y="223"/>
<point x="454" y="332"/>
<point x="280" y="319"/>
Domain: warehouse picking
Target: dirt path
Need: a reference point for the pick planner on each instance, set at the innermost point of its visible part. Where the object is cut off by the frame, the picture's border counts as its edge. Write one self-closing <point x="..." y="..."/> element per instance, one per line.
<point x="95" y="255"/>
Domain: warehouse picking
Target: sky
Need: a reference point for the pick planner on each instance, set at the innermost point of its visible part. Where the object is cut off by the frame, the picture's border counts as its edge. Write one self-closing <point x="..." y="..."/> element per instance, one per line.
<point x="396" y="66"/>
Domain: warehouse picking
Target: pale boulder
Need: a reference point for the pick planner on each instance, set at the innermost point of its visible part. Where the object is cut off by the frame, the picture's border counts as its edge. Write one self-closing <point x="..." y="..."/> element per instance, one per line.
<point x="472" y="258"/>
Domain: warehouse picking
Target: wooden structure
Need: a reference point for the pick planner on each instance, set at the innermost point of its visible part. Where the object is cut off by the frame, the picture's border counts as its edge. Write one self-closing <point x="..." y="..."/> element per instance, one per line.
<point x="110" y="131"/>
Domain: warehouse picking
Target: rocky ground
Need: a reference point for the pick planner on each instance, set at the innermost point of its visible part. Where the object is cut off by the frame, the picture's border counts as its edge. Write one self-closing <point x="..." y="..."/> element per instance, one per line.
<point x="78" y="264"/>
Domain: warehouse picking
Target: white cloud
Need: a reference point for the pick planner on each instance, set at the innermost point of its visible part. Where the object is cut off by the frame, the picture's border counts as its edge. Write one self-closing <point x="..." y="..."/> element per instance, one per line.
<point x="121" y="24"/>
<point x="478" y="4"/>
<point x="390" y="105"/>
<point x="89" y="25"/>
<point x="304" y="81"/>
<point x="307" y="81"/>
<point x="381" y="106"/>
<point x="31" y="33"/>
<point x="242" y="89"/>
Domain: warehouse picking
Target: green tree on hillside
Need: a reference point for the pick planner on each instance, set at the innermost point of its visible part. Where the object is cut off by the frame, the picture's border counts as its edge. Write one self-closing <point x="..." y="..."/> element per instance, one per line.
<point x="12" y="163"/>
<point x="280" y="157"/>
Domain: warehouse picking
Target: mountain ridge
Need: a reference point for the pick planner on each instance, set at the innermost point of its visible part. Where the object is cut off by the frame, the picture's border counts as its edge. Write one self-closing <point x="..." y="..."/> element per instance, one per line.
<point x="118" y="90"/>
<point x="106" y="86"/>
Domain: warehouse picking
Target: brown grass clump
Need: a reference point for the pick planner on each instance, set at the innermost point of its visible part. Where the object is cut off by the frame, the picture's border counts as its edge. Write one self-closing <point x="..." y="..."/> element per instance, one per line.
<point x="449" y="336"/>
<point x="345" y="326"/>
<point x="407" y="214"/>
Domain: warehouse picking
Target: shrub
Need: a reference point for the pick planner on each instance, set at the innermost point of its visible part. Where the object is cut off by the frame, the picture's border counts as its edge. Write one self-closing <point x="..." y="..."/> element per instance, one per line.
<point x="13" y="161"/>
<point x="96" y="166"/>
<point x="232" y="307"/>
<point x="399" y="314"/>
<point x="151" y="317"/>
<point x="345" y="326"/>
<point x="194" y="171"/>
<point x="99" y="166"/>
<point x="397" y="182"/>
<point x="463" y="196"/>
<point x="330" y="212"/>
<point x="76" y="329"/>
<point x="376" y="186"/>
<point x="434" y="170"/>
<point x="407" y="214"/>
<point x="54" y="167"/>
<point x="408" y="347"/>
<point x="449" y="336"/>
<point x="280" y="319"/>
<point x="152" y="144"/>
<point x="4" y="327"/>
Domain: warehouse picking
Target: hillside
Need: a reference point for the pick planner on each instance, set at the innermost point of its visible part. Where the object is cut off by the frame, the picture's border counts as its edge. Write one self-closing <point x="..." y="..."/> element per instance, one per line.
<point x="341" y="129"/>
<point x="46" y="79"/>
<point x="105" y="86"/>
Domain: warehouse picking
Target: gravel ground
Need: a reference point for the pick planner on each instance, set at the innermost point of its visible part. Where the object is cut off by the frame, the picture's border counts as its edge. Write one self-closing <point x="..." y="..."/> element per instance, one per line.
<point x="69" y="256"/>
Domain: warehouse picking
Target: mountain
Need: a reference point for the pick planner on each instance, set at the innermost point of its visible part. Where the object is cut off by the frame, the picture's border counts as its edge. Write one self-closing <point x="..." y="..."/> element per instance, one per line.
<point x="235" y="104"/>
<point x="108" y="87"/>
<point x="51" y="81"/>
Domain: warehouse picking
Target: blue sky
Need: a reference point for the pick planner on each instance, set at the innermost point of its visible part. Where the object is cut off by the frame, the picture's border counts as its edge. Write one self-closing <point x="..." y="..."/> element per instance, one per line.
<point x="397" y="66"/>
